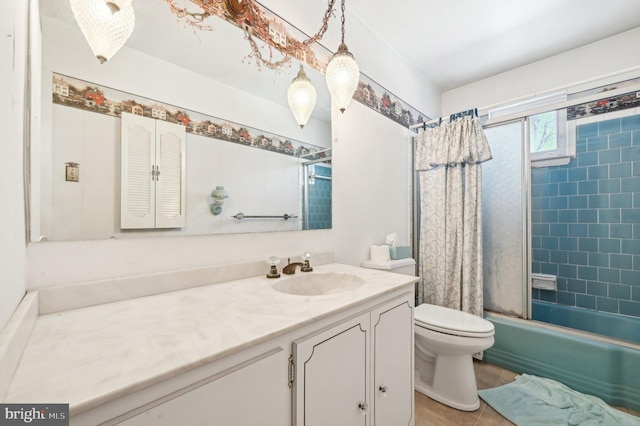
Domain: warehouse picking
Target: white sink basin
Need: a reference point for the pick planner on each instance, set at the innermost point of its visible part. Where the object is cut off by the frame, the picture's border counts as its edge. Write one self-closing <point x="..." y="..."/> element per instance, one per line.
<point x="318" y="283"/>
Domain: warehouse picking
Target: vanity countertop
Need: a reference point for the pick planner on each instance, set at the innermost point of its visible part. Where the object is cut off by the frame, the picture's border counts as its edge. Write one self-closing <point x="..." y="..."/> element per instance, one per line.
<point x="92" y="355"/>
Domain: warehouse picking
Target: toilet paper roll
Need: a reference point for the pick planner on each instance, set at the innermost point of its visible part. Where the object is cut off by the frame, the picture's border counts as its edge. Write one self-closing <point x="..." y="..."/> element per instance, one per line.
<point x="379" y="253"/>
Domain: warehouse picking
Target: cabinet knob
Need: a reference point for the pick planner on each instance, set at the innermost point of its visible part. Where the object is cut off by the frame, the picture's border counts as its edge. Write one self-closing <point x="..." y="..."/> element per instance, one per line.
<point x="383" y="389"/>
<point x="364" y="407"/>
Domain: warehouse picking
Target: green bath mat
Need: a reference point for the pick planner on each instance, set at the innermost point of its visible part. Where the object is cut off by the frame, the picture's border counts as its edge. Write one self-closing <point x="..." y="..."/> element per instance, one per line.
<point x="533" y="401"/>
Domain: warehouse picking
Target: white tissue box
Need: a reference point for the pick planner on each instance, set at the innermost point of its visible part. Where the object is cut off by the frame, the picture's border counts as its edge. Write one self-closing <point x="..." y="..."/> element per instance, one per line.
<point x="399" y="252"/>
<point x="379" y="253"/>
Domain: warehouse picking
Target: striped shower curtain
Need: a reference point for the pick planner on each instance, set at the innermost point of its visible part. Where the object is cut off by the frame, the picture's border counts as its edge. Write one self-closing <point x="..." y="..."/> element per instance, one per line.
<point x="448" y="162"/>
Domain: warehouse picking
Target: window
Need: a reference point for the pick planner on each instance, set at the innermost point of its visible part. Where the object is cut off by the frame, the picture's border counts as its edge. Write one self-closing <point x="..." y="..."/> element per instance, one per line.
<point x="543" y="136"/>
<point x="548" y="132"/>
<point x="548" y="141"/>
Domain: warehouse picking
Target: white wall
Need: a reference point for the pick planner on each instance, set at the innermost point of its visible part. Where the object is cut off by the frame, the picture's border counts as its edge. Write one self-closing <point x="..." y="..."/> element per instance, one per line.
<point x="13" y="42"/>
<point x="373" y="197"/>
<point x="611" y="55"/>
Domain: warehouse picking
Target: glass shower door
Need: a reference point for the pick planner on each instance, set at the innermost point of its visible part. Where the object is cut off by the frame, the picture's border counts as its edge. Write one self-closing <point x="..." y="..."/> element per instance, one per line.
<point x="505" y="221"/>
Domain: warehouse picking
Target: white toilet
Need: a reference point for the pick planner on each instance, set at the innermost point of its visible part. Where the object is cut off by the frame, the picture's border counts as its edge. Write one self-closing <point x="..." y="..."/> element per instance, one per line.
<point x="445" y="341"/>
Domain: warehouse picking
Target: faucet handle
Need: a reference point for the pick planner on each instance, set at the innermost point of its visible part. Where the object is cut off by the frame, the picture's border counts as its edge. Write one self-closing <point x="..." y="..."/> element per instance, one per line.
<point x="273" y="271"/>
<point x="306" y="267"/>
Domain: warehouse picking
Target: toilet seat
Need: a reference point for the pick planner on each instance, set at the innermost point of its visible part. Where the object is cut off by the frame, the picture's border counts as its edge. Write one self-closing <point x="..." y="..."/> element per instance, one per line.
<point x="451" y="321"/>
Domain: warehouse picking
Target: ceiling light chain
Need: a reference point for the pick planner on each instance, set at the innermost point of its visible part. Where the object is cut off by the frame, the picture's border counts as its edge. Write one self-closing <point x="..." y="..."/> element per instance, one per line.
<point x="342" y="20"/>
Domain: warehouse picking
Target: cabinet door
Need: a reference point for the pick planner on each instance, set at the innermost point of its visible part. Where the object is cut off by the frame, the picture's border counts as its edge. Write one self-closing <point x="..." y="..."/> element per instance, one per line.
<point x="256" y="393"/>
<point x="392" y="334"/>
<point x="137" y="187"/>
<point x="152" y="173"/>
<point x="331" y="380"/>
<point x="170" y="182"/>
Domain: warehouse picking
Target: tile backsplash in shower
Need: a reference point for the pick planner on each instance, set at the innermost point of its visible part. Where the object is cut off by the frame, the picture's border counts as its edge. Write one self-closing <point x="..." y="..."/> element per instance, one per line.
<point x="586" y="220"/>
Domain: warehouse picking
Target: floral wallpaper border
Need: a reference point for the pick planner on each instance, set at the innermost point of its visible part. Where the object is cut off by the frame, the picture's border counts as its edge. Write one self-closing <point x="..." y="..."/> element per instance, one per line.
<point x="75" y="93"/>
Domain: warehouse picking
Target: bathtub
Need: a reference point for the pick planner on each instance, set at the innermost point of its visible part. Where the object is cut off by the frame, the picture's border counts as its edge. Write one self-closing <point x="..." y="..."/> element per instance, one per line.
<point x="600" y="366"/>
<point x="616" y="326"/>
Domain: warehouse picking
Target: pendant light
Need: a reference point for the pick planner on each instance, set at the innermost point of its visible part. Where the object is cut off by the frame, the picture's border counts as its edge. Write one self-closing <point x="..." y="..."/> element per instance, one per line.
<point x="302" y="97"/>
<point x="106" y="24"/>
<point x="342" y="74"/>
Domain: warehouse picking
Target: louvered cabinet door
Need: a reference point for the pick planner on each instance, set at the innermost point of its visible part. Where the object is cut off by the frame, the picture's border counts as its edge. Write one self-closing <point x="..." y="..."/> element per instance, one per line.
<point x="152" y="173"/>
<point x="137" y="159"/>
<point x="170" y="182"/>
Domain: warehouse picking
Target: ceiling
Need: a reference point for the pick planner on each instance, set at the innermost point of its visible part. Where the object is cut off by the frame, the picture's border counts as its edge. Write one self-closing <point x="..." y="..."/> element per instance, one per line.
<point x="455" y="42"/>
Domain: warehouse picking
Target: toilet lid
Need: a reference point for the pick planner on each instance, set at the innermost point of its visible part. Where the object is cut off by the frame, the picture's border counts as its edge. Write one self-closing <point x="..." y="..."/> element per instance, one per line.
<point x="451" y="321"/>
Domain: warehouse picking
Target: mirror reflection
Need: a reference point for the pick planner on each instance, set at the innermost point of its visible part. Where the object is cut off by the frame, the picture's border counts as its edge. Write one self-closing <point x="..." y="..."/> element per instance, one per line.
<point x="239" y="134"/>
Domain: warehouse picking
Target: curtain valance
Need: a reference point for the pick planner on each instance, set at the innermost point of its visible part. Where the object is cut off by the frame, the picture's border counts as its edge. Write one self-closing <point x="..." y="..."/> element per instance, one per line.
<point x="459" y="142"/>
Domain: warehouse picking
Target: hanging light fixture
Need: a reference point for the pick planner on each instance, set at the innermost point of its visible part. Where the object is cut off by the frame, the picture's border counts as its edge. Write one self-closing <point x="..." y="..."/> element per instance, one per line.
<point x="302" y="97"/>
<point x="106" y="24"/>
<point x="342" y="74"/>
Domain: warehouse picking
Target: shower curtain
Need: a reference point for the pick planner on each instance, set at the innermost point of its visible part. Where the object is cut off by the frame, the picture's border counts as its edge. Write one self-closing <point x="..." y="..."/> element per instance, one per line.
<point x="448" y="161"/>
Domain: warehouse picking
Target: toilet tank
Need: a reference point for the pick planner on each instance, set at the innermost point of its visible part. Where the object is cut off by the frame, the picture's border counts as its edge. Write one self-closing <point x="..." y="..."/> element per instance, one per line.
<point x="400" y="266"/>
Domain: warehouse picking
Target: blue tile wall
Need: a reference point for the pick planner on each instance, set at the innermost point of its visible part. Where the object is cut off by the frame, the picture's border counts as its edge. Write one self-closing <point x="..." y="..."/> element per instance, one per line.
<point x="586" y="220"/>
<point x="319" y="198"/>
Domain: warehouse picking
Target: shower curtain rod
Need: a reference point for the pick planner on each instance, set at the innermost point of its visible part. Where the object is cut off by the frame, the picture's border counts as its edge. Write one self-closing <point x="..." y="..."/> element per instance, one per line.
<point x="546" y="108"/>
<point x="472" y="112"/>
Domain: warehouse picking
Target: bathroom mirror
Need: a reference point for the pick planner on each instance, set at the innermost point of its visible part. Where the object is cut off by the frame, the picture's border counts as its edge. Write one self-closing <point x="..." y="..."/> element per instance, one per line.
<point x="168" y="66"/>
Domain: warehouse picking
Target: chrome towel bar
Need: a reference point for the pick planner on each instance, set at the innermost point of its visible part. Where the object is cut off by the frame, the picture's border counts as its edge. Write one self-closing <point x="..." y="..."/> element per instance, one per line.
<point x="240" y="216"/>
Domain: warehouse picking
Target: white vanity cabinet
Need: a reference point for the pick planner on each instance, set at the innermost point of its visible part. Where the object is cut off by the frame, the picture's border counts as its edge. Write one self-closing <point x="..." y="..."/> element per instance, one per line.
<point x="392" y="341"/>
<point x="359" y="372"/>
<point x="254" y="392"/>
<point x="234" y="354"/>
<point x="332" y="375"/>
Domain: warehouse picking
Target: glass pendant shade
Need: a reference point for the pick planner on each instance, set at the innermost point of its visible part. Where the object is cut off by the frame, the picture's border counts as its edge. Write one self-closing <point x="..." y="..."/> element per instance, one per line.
<point x="342" y="77"/>
<point x="302" y="98"/>
<point x="106" y="24"/>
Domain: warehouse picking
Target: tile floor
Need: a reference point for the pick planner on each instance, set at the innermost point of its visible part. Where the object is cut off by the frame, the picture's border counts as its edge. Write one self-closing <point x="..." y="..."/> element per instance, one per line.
<point x="432" y="413"/>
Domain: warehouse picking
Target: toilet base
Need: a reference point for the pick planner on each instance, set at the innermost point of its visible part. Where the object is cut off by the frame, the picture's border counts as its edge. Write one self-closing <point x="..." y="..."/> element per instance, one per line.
<point x="426" y="390"/>
<point x="449" y="379"/>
